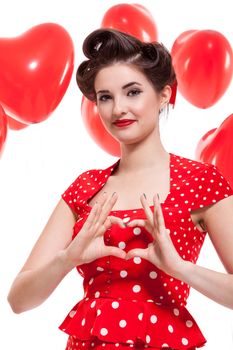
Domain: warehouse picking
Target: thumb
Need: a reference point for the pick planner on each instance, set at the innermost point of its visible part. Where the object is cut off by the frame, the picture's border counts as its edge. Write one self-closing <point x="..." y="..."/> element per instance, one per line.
<point x="118" y="252"/>
<point x="136" y="252"/>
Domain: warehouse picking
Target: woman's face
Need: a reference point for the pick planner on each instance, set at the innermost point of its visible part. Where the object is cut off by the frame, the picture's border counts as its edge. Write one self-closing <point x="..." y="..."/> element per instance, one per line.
<point x="127" y="102"/>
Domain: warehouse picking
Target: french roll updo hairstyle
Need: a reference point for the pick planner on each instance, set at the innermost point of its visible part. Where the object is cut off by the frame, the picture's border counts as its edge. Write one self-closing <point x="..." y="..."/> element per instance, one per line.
<point x="104" y="47"/>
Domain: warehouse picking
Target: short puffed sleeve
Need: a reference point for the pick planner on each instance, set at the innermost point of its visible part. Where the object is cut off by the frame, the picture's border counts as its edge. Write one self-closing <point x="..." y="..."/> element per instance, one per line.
<point x="210" y="186"/>
<point x="70" y="195"/>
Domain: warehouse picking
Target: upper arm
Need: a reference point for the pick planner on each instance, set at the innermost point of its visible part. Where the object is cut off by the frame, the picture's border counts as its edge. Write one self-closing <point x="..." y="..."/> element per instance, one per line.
<point x="218" y="220"/>
<point x="56" y="235"/>
<point x="211" y="207"/>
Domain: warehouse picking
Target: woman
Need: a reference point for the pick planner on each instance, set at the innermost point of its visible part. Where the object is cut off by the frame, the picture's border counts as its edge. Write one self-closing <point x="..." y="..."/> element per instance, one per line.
<point x="134" y="230"/>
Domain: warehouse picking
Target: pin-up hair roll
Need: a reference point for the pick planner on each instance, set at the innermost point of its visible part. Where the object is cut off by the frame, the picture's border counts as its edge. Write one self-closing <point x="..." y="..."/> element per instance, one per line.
<point x="104" y="47"/>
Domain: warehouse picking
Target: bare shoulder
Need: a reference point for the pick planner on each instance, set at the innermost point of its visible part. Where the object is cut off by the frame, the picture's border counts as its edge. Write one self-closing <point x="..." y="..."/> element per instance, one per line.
<point x="56" y="235"/>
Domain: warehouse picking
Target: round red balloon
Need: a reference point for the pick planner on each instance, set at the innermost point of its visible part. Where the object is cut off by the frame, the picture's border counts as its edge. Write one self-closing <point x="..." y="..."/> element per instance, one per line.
<point x="133" y="19"/>
<point x="96" y="129"/>
<point x="204" y="67"/>
<point x="3" y="129"/>
<point x="35" y="71"/>
<point x="216" y="147"/>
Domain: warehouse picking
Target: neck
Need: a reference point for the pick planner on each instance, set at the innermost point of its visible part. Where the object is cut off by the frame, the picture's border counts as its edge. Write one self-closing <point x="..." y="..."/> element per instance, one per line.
<point x="147" y="155"/>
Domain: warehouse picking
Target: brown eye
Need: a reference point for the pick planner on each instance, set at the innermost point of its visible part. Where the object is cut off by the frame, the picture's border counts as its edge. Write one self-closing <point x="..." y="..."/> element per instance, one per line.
<point x="104" y="97"/>
<point x="134" y="92"/>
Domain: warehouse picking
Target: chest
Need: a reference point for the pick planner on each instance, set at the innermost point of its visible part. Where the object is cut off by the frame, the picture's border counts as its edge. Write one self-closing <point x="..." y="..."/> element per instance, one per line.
<point x="129" y="190"/>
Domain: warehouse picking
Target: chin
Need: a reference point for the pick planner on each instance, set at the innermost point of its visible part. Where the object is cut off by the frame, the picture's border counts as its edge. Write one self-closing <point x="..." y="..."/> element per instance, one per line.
<point x="125" y="137"/>
<point x="128" y="141"/>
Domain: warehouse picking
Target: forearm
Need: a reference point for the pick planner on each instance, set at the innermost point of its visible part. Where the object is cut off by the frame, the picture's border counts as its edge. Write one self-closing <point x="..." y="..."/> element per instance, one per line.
<point x="33" y="287"/>
<point x="215" y="285"/>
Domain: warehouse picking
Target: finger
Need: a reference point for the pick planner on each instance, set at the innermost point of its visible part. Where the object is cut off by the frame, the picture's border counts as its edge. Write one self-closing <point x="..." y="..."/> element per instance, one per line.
<point x="111" y="220"/>
<point x="98" y="207"/>
<point x="146" y="207"/>
<point x="106" y="225"/>
<point x="114" y="220"/>
<point x="138" y="252"/>
<point x="92" y="217"/>
<point x="91" y="223"/>
<point x="110" y="250"/>
<point x="97" y="214"/>
<point x="141" y="223"/>
<point x="159" y="215"/>
<point x="136" y="222"/>
<point x="102" y="200"/>
<point x="107" y="207"/>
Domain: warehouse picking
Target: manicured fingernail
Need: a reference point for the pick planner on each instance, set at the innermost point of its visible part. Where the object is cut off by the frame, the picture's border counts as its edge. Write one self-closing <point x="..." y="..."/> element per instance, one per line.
<point x="144" y="195"/>
<point x="113" y="194"/>
<point x="158" y="196"/>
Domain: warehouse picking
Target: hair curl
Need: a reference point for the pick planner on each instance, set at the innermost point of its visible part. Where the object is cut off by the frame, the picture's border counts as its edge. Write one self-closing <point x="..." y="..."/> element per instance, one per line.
<point x="104" y="47"/>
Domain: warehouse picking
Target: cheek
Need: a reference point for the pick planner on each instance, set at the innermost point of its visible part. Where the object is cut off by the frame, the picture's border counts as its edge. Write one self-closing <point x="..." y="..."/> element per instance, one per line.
<point x="152" y="106"/>
<point x="146" y="109"/>
<point x="144" y="104"/>
<point x="105" y="114"/>
<point x="102" y="111"/>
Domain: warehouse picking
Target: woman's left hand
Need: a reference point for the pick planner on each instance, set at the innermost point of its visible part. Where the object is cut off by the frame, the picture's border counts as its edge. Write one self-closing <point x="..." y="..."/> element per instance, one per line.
<point x="161" y="252"/>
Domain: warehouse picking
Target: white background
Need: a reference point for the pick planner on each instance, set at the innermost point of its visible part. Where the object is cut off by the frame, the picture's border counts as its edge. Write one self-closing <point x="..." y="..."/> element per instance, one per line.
<point x="40" y="162"/>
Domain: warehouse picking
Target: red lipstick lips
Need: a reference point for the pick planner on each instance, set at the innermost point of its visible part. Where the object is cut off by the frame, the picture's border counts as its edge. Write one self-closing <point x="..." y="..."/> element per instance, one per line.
<point x="123" y="122"/>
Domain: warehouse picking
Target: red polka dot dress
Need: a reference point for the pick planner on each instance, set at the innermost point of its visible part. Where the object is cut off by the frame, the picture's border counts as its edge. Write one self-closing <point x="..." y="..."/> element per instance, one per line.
<point x="131" y="303"/>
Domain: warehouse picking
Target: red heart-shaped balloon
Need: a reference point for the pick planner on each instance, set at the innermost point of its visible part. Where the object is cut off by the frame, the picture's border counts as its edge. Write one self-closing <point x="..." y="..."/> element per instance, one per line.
<point x="15" y="124"/>
<point x="204" y="67"/>
<point x="35" y="71"/>
<point x="96" y="128"/>
<point x="216" y="147"/>
<point x="133" y="19"/>
<point x="180" y="41"/>
<point x="3" y="129"/>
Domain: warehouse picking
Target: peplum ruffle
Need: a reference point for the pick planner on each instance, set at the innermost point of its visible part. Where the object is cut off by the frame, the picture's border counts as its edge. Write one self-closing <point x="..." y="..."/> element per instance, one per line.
<point x="127" y="321"/>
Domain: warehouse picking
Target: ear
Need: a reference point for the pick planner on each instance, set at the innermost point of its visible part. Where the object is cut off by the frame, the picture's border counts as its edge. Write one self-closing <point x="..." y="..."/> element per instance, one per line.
<point x="165" y="96"/>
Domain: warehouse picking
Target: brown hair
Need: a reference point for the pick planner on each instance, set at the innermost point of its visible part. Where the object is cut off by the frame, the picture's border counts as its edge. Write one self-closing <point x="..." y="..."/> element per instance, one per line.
<point x="104" y="47"/>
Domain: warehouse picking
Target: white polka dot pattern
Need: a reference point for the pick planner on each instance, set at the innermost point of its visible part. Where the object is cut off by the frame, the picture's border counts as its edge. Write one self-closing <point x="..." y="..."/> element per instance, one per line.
<point x="72" y="313"/>
<point x="103" y="331"/>
<point x="124" y="297"/>
<point x="123" y="273"/>
<point x="115" y="304"/>
<point x="153" y="319"/>
<point x="137" y="230"/>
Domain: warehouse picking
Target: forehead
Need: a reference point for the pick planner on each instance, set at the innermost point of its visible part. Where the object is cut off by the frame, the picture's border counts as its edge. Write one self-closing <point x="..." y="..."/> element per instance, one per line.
<point x="117" y="75"/>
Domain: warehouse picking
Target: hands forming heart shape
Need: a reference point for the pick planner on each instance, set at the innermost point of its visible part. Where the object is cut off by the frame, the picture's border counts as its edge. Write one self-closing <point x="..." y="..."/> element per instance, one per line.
<point x="89" y="244"/>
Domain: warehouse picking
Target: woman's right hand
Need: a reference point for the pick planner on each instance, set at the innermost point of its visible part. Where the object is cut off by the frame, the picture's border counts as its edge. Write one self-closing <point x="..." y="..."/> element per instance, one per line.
<point x="89" y="244"/>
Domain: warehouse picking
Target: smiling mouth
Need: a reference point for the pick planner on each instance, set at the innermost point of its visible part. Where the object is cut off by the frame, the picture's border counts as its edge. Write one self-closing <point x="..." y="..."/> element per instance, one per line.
<point x="124" y="122"/>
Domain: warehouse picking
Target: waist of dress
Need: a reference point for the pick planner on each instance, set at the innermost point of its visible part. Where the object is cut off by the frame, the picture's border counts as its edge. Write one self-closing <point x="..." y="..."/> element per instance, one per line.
<point x="137" y="290"/>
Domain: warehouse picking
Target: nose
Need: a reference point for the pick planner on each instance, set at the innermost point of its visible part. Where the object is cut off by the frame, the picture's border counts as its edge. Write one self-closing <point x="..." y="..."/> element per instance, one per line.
<point x="119" y="107"/>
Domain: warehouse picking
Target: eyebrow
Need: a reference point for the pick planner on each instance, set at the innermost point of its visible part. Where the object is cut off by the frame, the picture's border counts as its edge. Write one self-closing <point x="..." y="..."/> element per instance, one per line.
<point x="123" y="87"/>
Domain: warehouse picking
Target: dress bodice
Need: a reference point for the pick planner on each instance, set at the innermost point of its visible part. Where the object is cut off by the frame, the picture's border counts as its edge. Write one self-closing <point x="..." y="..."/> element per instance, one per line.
<point x="126" y="300"/>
